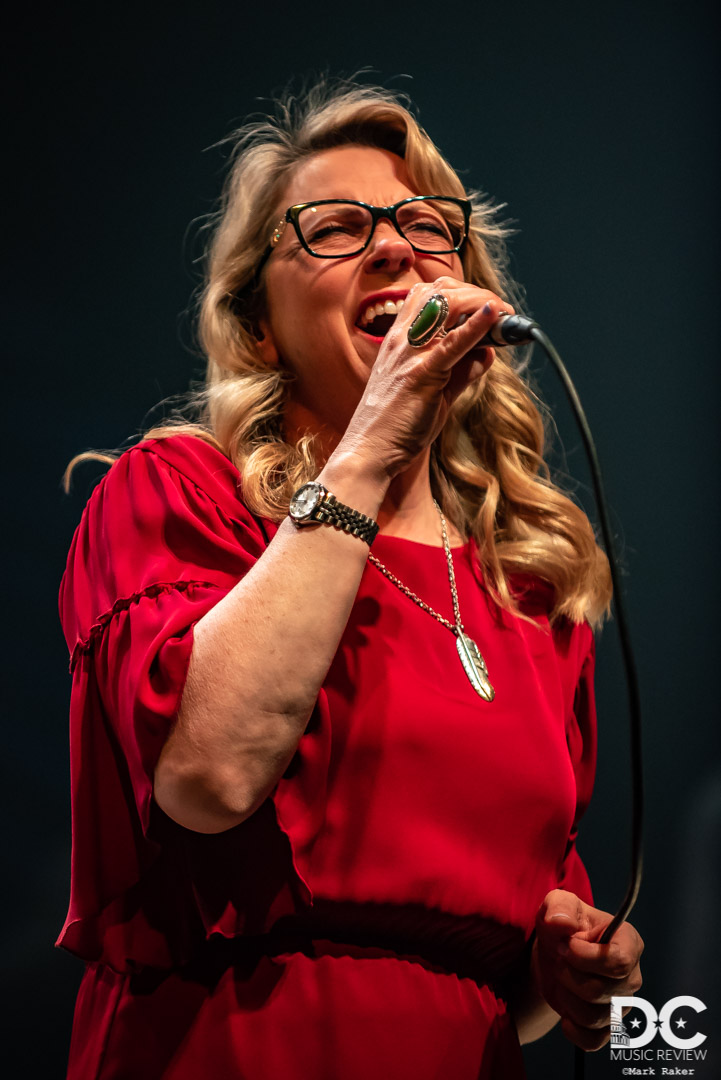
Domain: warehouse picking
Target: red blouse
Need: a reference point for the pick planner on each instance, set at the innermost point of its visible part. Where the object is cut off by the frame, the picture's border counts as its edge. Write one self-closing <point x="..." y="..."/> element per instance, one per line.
<point x="371" y="915"/>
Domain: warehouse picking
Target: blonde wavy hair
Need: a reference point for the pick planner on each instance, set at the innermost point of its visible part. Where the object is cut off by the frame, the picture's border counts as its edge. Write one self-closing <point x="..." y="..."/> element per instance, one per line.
<point x="487" y="466"/>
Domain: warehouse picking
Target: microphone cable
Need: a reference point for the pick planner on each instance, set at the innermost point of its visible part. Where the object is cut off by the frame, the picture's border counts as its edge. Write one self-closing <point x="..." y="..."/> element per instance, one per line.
<point x="629" y="664"/>
<point x="517" y="329"/>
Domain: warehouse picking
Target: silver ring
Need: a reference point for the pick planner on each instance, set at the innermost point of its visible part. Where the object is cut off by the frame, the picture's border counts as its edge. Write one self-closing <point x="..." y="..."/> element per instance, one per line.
<point x="429" y="322"/>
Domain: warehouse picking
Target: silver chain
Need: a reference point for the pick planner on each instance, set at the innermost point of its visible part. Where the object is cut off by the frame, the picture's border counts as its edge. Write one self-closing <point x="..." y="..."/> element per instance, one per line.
<point x="458" y="628"/>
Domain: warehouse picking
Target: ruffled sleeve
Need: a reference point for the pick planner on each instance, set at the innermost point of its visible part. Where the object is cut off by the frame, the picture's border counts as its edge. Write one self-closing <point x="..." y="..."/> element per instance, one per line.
<point x="581" y="740"/>
<point x="164" y="537"/>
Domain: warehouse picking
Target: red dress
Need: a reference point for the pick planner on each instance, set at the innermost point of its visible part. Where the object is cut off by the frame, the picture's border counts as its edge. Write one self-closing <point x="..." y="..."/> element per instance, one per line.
<point x="372" y="916"/>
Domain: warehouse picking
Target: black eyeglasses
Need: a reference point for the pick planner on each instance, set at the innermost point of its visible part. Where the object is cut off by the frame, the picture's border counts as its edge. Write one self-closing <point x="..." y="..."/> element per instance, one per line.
<point x="338" y="228"/>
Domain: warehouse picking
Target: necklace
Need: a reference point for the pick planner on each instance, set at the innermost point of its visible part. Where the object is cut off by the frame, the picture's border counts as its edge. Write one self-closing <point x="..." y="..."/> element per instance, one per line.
<point x="469" y="654"/>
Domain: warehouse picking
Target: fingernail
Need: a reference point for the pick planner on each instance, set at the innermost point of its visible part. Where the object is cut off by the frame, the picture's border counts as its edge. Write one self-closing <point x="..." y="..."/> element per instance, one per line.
<point x="563" y="948"/>
<point x="486" y="309"/>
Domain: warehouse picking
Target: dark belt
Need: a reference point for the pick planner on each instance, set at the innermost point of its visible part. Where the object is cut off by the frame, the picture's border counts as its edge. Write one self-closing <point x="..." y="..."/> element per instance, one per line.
<point x="490" y="953"/>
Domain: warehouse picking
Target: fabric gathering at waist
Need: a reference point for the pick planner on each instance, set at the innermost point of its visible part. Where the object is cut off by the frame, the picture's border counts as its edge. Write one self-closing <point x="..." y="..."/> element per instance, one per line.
<point x="467" y="946"/>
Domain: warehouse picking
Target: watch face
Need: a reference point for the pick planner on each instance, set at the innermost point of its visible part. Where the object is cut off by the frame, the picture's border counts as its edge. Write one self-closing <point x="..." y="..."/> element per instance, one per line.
<point x="305" y="501"/>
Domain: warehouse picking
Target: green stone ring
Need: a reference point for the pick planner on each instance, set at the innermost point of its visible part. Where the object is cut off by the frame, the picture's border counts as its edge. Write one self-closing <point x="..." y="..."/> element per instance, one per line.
<point x="428" y="322"/>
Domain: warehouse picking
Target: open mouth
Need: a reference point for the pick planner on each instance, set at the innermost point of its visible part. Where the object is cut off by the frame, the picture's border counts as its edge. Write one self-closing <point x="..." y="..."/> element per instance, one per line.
<point x="377" y="319"/>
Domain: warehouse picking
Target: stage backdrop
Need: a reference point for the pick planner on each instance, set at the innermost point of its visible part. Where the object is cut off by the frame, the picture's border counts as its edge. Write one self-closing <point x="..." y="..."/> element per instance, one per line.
<point x="596" y="125"/>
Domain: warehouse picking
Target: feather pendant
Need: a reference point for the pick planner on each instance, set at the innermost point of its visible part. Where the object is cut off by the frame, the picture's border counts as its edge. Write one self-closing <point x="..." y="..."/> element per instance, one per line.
<point x="474" y="666"/>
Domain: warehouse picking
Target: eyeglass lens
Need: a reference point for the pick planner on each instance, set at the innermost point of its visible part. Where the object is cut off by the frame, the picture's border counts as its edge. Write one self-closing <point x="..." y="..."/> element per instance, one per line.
<point x="434" y="225"/>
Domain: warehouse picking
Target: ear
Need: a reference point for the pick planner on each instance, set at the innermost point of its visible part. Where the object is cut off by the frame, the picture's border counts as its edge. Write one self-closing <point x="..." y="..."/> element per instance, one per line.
<point x="267" y="350"/>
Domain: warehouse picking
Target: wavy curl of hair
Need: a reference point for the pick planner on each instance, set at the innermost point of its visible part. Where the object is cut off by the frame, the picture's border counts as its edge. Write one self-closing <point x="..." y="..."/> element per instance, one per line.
<point x="487" y="466"/>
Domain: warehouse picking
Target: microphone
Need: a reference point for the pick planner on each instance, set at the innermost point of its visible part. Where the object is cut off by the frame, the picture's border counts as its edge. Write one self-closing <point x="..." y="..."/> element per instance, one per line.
<point x="510" y="330"/>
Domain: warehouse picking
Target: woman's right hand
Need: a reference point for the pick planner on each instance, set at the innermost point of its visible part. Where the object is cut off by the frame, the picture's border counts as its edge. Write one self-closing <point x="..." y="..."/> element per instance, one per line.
<point x="247" y="701"/>
<point x="410" y="390"/>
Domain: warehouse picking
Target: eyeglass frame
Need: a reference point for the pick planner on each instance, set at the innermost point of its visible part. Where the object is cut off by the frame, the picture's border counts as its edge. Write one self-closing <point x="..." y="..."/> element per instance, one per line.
<point x="377" y="214"/>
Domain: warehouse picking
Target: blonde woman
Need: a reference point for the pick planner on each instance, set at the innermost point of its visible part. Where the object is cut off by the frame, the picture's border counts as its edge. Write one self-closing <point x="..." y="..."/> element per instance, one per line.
<point x="332" y="714"/>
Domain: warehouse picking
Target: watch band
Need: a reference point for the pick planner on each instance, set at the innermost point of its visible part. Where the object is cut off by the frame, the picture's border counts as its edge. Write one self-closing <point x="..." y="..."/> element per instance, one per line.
<point x="325" y="509"/>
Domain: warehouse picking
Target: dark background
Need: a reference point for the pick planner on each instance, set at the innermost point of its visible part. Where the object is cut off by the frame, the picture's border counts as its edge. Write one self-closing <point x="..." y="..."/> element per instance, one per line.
<point x="598" y="128"/>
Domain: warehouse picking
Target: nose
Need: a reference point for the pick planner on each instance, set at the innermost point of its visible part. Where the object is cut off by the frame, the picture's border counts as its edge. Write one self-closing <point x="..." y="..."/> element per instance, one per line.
<point x="388" y="251"/>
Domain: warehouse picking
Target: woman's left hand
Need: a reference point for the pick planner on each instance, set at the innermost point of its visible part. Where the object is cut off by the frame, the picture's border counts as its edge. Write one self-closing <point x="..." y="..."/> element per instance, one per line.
<point x="577" y="976"/>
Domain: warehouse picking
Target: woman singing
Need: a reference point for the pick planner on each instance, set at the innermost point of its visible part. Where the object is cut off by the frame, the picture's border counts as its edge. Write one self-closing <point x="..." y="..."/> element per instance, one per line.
<point x="332" y="713"/>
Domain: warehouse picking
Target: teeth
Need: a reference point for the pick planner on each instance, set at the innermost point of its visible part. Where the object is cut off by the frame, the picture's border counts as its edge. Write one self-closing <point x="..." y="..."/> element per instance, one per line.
<point x="389" y="307"/>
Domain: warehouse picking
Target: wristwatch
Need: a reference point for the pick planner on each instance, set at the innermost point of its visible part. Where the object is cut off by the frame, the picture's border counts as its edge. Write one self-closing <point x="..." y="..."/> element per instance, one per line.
<point x="313" y="504"/>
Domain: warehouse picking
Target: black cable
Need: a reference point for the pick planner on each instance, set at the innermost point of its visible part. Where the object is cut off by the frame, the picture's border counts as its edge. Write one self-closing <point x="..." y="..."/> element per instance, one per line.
<point x="634" y="702"/>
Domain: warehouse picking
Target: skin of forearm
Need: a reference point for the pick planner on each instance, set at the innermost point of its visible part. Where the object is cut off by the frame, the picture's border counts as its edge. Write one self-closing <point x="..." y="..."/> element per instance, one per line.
<point x="259" y="658"/>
